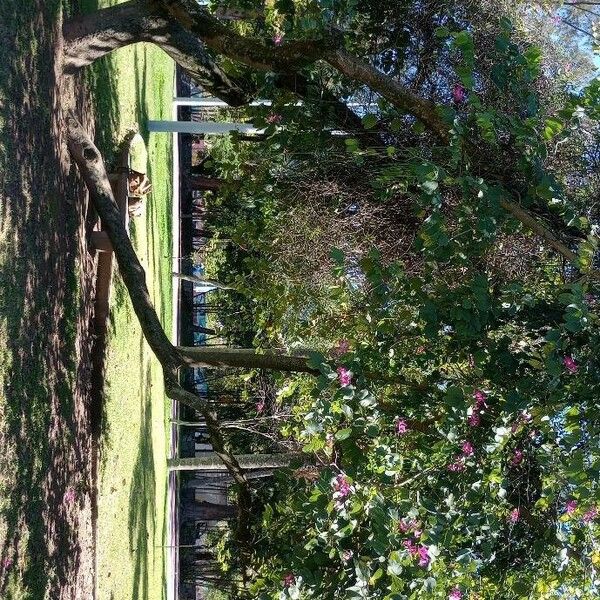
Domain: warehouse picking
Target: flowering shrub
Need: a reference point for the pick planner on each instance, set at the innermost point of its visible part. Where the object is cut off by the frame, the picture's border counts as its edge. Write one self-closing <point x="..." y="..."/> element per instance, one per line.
<point x="454" y="429"/>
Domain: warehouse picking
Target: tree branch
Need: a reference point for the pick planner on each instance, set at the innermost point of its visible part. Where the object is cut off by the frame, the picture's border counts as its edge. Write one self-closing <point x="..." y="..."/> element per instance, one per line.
<point x="91" y="36"/>
<point x="215" y="356"/>
<point x="91" y="165"/>
<point x="291" y="57"/>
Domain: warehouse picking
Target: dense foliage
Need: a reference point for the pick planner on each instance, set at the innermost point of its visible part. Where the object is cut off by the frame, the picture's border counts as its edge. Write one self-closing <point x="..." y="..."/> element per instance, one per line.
<point x="451" y="438"/>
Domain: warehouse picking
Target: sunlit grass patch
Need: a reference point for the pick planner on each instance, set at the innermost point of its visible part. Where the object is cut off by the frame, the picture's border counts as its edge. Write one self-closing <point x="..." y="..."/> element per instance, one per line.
<point x="132" y="85"/>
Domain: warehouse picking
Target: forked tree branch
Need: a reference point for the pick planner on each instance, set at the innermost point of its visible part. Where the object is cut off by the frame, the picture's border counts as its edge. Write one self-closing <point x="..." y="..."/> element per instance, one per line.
<point x="89" y="37"/>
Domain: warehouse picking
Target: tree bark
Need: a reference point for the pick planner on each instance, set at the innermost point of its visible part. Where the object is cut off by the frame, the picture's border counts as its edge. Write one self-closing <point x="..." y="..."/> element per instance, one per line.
<point x="215" y="356"/>
<point x="208" y="511"/>
<point x="89" y="37"/>
<point x="201" y="183"/>
<point x="90" y="164"/>
<point x="211" y="462"/>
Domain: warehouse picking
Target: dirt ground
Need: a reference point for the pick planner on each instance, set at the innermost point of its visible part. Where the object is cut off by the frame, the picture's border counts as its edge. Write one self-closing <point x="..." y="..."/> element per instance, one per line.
<point x="47" y="452"/>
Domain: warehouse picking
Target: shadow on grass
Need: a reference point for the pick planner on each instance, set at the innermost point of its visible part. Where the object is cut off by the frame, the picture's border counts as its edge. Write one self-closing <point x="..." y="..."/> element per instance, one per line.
<point x="142" y="496"/>
<point x="44" y="319"/>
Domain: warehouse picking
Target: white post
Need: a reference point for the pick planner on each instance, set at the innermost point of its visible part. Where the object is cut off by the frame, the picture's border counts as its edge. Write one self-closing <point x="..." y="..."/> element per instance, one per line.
<point x="201" y="127"/>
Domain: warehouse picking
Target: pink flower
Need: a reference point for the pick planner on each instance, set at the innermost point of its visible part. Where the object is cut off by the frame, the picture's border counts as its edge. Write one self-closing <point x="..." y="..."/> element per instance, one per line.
<point x="571" y="507"/>
<point x="474" y="420"/>
<point x="278" y="39"/>
<point x="424" y="558"/>
<point x="274" y="118"/>
<point x="459" y="94"/>
<point x="590" y="515"/>
<point x="347" y="555"/>
<point x="480" y="399"/>
<point x="515" y="515"/>
<point x="289" y="580"/>
<point x="455" y="594"/>
<point x="69" y="496"/>
<point x="411" y="547"/>
<point x="406" y="526"/>
<point x="7" y="563"/>
<point x="260" y="406"/>
<point x="467" y="449"/>
<point x="341" y="486"/>
<point x="517" y="458"/>
<point x="401" y="427"/>
<point x="457" y="466"/>
<point x="570" y="364"/>
<point x="344" y="376"/>
<point x="556" y="20"/>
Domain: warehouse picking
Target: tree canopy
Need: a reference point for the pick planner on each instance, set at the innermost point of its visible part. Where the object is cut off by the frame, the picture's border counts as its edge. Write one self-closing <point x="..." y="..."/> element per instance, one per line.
<point x="424" y="220"/>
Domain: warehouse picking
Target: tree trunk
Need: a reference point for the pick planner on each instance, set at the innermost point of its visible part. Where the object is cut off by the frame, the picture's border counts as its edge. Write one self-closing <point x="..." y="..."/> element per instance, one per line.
<point x="209" y="461"/>
<point x="207" y="511"/>
<point x="215" y="356"/>
<point x="201" y="183"/>
<point x="90" y="164"/>
<point x="89" y="37"/>
<point x="94" y="173"/>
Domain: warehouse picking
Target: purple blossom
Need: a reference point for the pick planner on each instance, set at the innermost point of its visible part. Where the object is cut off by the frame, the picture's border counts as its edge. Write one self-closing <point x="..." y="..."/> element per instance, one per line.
<point x="341" y="486"/>
<point x="344" y="376"/>
<point x="570" y="364"/>
<point x="571" y="507"/>
<point x="401" y="427"/>
<point x="278" y="39"/>
<point x="474" y="420"/>
<point x="274" y="118"/>
<point x="406" y="526"/>
<point x="515" y="515"/>
<point x="457" y="466"/>
<point x="260" y="406"/>
<point x="556" y="20"/>
<point x="480" y="399"/>
<point x="424" y="557"/>
<point x="411" y="547"/>
<point x="410" y="525"/>
<point x="69" y="496"/>
<point x="289" y="580"/>
<point x="7" y="563"/>
<point x="455" y="594"/>
<point x="459" y="94"/>
<point x="590" y="515"/>
<point x="517" y="458"/>
<point x="467" y="449"/>
<point x="347" y="555"/>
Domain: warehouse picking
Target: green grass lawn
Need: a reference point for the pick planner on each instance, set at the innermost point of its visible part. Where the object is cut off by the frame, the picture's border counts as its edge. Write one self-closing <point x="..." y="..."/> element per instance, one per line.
<point x="130" y="86"/>
<point x="46" y="539"/>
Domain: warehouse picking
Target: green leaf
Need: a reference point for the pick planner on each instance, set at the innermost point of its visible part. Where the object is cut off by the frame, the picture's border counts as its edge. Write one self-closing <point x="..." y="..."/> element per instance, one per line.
<point x="337" y="256"/>
<point x="369" y="121"/>
<point x="343" y="434"/>
<point x="552" y="127"/>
